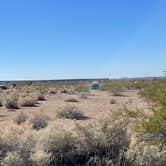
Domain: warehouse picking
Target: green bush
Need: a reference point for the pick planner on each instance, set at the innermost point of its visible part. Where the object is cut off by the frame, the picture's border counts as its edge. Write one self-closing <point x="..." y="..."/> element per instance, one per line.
<point x="156" y="126"/>
<point x="114" y="87"/>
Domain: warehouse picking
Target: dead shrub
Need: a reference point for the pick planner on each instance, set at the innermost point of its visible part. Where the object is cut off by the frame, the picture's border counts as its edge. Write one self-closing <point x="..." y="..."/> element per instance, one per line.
<point x="39" y="120"/>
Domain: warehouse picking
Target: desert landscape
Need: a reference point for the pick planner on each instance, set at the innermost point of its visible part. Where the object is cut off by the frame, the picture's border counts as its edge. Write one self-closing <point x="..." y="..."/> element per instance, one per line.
<point x="70" y="123"/>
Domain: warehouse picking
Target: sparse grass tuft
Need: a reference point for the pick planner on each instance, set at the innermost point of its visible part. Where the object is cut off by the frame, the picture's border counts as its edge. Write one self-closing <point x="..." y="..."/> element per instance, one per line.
<point x="84" y="95"/>
<point x="20" y="118"/>
<point x="113" y="101"/>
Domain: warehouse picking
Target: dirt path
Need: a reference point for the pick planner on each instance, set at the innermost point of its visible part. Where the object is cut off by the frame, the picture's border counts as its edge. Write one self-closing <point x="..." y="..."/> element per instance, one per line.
<point x="97" y="104"/>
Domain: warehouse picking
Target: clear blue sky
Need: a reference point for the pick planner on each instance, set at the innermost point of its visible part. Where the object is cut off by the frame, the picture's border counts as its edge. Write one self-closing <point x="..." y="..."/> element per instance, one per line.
<point x="54" y="39"/>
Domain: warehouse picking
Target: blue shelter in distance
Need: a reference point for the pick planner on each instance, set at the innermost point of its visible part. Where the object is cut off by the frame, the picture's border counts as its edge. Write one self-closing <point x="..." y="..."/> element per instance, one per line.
<point x="95" y="85"/>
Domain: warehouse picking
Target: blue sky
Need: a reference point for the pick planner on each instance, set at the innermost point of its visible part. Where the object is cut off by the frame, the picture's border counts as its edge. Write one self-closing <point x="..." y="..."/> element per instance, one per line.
<point x="56" y="39"/>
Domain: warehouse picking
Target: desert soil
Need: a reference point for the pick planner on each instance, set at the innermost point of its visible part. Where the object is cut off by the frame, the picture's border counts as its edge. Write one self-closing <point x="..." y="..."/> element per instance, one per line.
<point x="97" y="104"/>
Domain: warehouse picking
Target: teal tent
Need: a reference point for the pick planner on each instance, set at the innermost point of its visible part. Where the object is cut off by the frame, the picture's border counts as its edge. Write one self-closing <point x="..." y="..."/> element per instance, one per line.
<point x="95" y="85"/>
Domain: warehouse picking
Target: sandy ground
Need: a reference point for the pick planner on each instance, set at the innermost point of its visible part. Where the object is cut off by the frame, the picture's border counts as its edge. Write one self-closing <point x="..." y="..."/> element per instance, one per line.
<point x="98" y="104"/>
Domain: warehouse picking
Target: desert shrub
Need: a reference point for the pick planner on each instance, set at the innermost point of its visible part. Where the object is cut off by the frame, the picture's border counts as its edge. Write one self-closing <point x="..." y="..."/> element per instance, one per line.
<point x="41" y="158"/>
<point x="81" y="87"/>
<point x="71" y="100"/>
<point x="1" y="103"/>
<point x="113" y="101"/>
<point x="40" y="97"/>
<point x="39" y="124"/>
<point x="71" y="112"/>
<point x="156" y="126"/>
<point x="61" y="144"/>
<point x="156" y="92"/>
<point x="52" y="91"/>
<point x="20" y="118"/>
<point x="63" y="91"/>
<point x="12" y="159"/>
<point x="39" y="120"/>
<point x="27" y="101"/>
<point x="146" y="155"/>
<point x="11" y="101"/>
<point x="81" y="146"/>
<point x="111" y="86"/>
<point x="9" y="141"/>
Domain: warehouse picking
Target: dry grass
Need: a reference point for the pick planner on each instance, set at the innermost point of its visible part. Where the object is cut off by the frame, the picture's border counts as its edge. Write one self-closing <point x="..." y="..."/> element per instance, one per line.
<point x="71" y="112"/>
<point x="11" y="101"/>
<point x="60" y="141"/>
<point x="84" y="96"/>
<point x="12" y="159"/>
<point x="28" y="101"/>
<point x="40" y="97"/>
<point x="20" y="118"/>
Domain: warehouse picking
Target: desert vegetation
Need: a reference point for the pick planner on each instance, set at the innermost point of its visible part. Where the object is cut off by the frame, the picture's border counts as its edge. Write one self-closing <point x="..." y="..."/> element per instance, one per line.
<point x="122" y="123"/>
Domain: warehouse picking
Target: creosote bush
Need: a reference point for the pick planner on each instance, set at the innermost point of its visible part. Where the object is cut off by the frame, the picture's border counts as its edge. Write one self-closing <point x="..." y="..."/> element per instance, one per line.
<point x="155" y="126"/>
